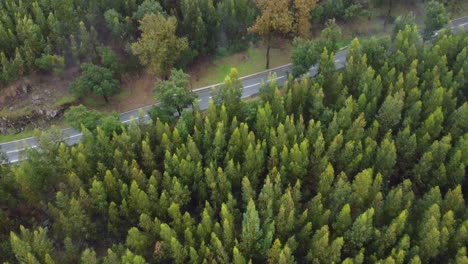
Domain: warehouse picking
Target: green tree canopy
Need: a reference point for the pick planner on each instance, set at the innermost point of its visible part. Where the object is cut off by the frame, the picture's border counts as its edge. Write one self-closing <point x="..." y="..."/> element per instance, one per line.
<point x="175" y="93"/>
<point x="95" y="80"/>
<point x="436" y="18"/>
<point x="159" y="48"/>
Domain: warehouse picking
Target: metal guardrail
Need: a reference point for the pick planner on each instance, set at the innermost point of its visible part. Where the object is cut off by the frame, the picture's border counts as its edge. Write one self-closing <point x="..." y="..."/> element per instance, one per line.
<point x="242" y="78"/>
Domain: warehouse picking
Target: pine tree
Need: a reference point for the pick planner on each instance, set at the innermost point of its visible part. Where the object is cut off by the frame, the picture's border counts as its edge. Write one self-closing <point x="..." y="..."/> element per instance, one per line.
<point x="251" y="233"/>
<point x="137" y="241"/>
<point x="361" y="232"/>
<point x="237" y="257"/>
<point x="230" y="94"/>
<point x="321" y="250"/>
<point x="130" y="258"/>
<point x="18" y="64"/>
<point x="219" y="249"/>
<point x="355" y="67"/>
<point x="394" y="231"/>
<point x="285" y="220"/>
<point x="389" y="114"/>
<point x="429" y="233"/>
<point x="454" y="201"/>
<point x="362" y="190"/>
<point x="386" y="158"/>
<point x="98" y="197"/>
<point x="178" y="252"/>
<point x="264" y="121"/>
<point x="22" y="250"/>
<point x="88" y="257"/>
<point x="343" y="220"/>
<point x="85" y="44"/>
<point x="138" y="199"/>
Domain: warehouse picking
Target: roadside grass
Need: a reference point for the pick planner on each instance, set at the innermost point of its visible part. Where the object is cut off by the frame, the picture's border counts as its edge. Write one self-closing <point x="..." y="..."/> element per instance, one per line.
<point x="121" y="95"/>
<point x="247" y="62"/>
<point x="65" y="100"/>
<point x="10" y="137"/>
<point x="458" y="9"/>
<point x="93" y="102"/>
<point x="343" y="43"/>
<point x="31" y="132"/>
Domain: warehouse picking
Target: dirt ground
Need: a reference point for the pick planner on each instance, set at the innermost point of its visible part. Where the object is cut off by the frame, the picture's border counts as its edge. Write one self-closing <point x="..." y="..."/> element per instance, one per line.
<point x="36" y="91"/>
<point x="197" y="70"/>
<point x="137" y="91"/>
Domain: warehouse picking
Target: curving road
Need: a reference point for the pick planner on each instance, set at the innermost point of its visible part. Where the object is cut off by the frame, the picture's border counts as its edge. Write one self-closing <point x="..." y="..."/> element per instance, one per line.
<point x="251" y="85"/>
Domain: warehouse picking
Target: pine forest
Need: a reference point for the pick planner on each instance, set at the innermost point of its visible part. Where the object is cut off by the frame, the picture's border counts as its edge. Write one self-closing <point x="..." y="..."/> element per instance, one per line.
<point x="365" y="164"/>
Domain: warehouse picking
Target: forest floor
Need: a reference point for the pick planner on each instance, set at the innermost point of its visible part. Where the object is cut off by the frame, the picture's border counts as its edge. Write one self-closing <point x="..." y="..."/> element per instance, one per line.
<point x="137" y="89"/>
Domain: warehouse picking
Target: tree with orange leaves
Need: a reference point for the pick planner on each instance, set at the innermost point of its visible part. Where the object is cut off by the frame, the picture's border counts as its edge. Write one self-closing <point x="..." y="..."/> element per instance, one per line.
<point x="275" y="18"/>
<point x="302" y="17"/>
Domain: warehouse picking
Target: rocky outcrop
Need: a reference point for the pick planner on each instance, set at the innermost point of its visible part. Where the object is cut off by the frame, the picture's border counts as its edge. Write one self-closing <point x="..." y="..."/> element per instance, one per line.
<point x="11" y="122"/>
<point x="29" y="104"/>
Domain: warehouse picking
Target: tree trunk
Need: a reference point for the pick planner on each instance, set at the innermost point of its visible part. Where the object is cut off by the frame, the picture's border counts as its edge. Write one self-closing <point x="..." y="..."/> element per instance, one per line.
<point x="179" y="111"/>
<point x="106" y="98"/>
<point x="268" y="53"/>
<point x="389" y="12"/>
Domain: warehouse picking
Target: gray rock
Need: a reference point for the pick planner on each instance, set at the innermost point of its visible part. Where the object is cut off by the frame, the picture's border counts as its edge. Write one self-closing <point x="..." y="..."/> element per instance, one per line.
<point x="51" y="113"/>
<point x="25" y="88"/>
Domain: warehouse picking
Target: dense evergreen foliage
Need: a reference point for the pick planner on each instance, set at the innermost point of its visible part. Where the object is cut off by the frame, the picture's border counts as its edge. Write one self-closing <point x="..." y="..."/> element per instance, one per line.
<point x="50" y="35"/>
<point x="363" y="165"/>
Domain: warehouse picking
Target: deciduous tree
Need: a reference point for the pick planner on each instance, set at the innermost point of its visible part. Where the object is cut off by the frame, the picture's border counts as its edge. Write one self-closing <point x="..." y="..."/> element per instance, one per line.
<point x="436" y="18"/>
<point x="275" y="18"/>
<point x="175" y="94"/>
<point x="159" y="48"/>
<point x="302" y="9"/>
<point x="95" y="80"/>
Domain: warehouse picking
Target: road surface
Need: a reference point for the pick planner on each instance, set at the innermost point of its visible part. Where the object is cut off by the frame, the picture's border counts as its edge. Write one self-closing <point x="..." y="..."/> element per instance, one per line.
<point x="251" y="85"/>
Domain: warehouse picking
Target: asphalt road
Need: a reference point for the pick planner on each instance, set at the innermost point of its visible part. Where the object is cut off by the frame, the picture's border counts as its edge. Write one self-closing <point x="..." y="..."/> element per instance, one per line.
<point x="251" y="85"/>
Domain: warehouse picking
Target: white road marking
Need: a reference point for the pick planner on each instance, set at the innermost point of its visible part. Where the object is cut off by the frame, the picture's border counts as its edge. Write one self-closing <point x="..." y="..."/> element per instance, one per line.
<point x="252" y="85"/>
<point x="77" y="135"/>
<point x="21" y="149"/>
<point x="136" y="118"/>
<point x="70" y="137"/>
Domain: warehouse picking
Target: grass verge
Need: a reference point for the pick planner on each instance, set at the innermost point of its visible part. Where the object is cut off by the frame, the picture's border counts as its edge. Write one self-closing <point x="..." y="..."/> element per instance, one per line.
<point x="31" y="132"/>
<point x="247" y="62"/>
<point x="10" y="137"/>
<point x="458" y="9"/>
